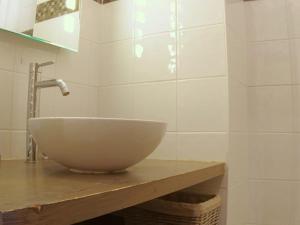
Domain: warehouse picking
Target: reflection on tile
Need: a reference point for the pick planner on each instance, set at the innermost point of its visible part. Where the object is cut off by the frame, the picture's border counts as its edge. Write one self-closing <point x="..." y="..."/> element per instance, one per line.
<point x="155" y="58"/>
<point x="154" y="16"/>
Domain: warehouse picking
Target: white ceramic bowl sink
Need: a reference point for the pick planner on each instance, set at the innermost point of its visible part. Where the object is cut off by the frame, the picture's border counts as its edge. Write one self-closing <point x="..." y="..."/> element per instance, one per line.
<point x="96" y="144"/>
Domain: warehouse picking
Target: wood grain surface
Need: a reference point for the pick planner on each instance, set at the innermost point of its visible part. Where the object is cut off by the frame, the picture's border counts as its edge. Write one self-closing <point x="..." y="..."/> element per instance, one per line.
<point x="47" y="193"/>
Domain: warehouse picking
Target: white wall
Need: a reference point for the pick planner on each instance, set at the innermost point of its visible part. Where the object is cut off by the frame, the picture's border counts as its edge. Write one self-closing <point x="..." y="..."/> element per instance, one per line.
<point x="156" y="68"/>
<point x="237" y="157"/>
<point x="167" y="60"/>
<point x="80" y="70"/>
<point x="273" y="70"/>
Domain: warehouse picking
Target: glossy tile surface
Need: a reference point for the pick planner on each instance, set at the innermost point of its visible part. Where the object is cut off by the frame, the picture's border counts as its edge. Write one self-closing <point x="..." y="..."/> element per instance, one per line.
<point x="173" y="68"/>
<point x="273" y="74"/>
<point x="80" y="71"/>
<point x="202" y="52"/>
<point x="193" y="13"/>
<point x="202" y="105"/>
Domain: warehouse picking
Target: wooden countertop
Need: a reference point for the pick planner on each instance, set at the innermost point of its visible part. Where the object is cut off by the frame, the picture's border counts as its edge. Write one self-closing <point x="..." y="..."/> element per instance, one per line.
<point x="46" y="193"/>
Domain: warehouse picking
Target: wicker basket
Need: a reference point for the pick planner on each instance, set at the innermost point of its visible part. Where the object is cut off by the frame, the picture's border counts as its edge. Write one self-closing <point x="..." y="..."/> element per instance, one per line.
<point x="176" y="209"/>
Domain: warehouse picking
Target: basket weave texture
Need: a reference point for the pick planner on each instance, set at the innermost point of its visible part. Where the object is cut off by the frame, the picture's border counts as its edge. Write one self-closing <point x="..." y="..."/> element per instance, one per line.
<point x="176" y="209"/>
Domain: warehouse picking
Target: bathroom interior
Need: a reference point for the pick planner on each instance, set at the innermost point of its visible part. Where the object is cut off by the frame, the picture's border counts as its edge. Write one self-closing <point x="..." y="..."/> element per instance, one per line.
<point x="201" y="96"/>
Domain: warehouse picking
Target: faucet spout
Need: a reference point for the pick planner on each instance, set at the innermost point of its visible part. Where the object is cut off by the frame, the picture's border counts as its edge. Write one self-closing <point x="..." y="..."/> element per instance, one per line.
<point x="32" y="110"/>
<point x="54" y="83"/>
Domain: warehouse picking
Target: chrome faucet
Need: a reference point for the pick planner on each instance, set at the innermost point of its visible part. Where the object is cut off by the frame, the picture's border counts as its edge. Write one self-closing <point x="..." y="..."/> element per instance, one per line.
<point x="33" y="85"/>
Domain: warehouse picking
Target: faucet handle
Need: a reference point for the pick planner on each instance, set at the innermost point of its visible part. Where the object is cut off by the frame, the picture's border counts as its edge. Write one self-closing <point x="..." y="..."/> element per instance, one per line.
<point x="45" y="64"/>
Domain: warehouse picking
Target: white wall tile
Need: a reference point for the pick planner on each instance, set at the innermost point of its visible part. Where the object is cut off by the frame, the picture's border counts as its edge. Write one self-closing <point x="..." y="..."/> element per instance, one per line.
<point x="269" y="63"/>
<point x="91" y="21"/>
<point x="296" y="204"/>
<point x="237" y="159"/>
<point x="76" y="67"/>
<point x="270" y="109"/>
<point x="223" y="216"/>
<point x="203" y="105"/>
<point x="295" y="60"/>
<point x="266" y="20"/>
<point x="296" y="108"/>
<point x="154" y="16"/>
<point x="202" y="146"/>
<point x="6" y="89"/>
<point x="237" y="57"/>
<point x="117" y="63"/>
<point x="273" y="64"/>
<point x="293" y="7"/>
<point x="237" y="205"/>
<point x="19" y="102"/>
<point x="252" y="217"/>
<point x="156" y="101"/>
<point x="116" y="101"/>
<point x="296" y="154"/>
<point x="267" y="151"/>
<point x="155" y="58"/>
<point x="153" y="101"/>
<point x="5" y="144"/>
<point x="7" y="51"/>
<point x="238" y="106"/>
<point x="235" y="17"/>
<point x="82" y="101"/>
<point x="29" y="52"/>
<point x="167" y="150"/>
<point x="271" y="202"/>
<point x="192" y="13"/>
<point x="18" y="145"/>
<point x="95" y="64"/>
<point x="118" y="20"/>
<point x="202" y="52"/>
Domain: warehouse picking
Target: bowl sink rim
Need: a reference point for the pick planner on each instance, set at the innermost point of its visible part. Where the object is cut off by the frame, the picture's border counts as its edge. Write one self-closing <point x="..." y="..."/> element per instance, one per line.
<point x="98" y="118"/>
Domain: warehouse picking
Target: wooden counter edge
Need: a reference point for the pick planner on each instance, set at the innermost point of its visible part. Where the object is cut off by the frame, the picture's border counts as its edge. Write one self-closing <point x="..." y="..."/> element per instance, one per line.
<point x="84" y="208"/>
